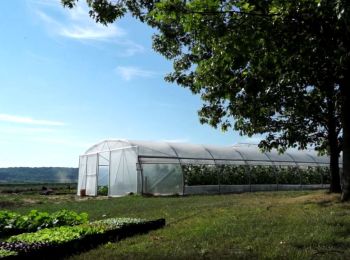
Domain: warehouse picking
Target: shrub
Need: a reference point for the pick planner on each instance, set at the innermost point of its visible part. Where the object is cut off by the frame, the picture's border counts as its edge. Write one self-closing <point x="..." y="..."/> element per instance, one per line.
<point x="288" y="175"/>
<point x="102" y="190"/>
<point x="200" y="174"/>
<point x="311" y="175"/>
<point x="262" y="174"/>
<point x="234" y="174"/>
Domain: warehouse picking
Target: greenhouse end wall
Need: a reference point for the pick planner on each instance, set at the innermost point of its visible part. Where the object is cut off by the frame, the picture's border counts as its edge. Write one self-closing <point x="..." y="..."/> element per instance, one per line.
<point x="117" y="168"/>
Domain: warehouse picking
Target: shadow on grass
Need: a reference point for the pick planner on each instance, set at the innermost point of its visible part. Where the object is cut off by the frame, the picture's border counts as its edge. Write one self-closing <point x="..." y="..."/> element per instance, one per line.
<point x="333" y="249"/>
<point x="325" y="203"/>
<point x="7" y="204"/>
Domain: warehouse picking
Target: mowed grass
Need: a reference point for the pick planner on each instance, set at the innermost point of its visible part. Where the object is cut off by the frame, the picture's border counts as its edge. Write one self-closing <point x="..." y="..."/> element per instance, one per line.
<point x="262" y="225"/>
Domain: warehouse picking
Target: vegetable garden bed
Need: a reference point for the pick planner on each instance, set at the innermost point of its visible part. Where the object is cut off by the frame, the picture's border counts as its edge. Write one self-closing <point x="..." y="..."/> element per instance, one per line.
<point x="62" y="241"/>
<point x="13" y="223"/>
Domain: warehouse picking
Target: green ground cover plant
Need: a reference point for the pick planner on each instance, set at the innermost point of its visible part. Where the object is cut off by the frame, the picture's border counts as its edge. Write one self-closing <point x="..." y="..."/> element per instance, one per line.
<point x="6" y="253"/>
<point x="11" y="222"/>
<point x="59" y="235"/>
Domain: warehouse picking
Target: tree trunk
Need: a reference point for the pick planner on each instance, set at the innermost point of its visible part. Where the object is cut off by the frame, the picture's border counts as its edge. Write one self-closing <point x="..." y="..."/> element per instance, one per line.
<point x="345" y="180"/>
<point x="333" y="145"/>
<point x="334" y="167"/>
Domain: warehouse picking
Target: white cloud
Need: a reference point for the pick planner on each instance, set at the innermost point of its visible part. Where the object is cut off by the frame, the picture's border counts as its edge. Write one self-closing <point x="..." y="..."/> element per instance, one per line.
<point x="90" y="33"/>
<point x="252" y="140"/>
<point x="49" y="21"/>
<point x="76" y="24"/>
<point x="129" y="72"/>
<point x="131" y="48"/>
<point x="28" y="120"/>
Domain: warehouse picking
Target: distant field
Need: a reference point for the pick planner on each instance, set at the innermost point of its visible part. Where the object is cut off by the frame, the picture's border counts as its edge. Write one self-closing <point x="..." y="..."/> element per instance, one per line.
<point x="38" y="175"/>
<point x="262" y="225"/>
<point x="33" y="188"/>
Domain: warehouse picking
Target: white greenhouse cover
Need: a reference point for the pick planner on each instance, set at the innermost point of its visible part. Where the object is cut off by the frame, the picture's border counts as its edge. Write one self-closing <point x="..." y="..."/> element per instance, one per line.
<point x="128" y="166"/>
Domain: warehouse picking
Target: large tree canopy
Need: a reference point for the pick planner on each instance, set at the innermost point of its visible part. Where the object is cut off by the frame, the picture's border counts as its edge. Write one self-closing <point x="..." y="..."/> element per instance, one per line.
<point x="276" y="67"/>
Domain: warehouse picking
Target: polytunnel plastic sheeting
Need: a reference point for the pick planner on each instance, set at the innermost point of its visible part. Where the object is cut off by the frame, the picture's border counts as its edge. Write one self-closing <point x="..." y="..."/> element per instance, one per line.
<point x="191" y="151"/>
<point x="204" y="154"/>
<point x="197" y="161"/>
<point x="157" y="167"/>
<point x="252" y="155"/>
<point x="162" y="179"/>
<point x="96" y="148"/>
<point x="82" y="173"/>
<point x="107" y="145"/>
<point x="103" y="159"/>
<point x="303" y="159"/>
<point x="122" y="172"/>
<point x="223" y="153"/>
<point x="228" y="162"/>
<point x="91" y="174"/>
<point x="117" y="144"/>
<point x="154" y="149"/>
<point x="148" y="160"/>
<point x="322" y="160"/>
<point x="280" y="159"/>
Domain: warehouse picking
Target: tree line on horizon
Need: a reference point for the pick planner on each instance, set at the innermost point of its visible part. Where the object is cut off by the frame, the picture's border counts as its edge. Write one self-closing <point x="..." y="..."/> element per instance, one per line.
<point x="38" y="175"/>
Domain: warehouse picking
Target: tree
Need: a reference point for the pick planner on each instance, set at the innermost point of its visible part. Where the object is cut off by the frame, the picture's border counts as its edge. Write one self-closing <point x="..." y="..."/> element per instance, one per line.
<point x="255" y="61"/>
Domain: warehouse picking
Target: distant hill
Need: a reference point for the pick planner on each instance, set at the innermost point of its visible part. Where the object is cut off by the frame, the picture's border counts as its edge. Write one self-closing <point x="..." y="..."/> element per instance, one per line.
<point x="38" y="175"/>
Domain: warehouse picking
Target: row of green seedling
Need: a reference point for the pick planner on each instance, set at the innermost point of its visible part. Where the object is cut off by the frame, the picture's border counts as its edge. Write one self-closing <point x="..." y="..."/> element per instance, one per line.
<point x="15" y="223"/>
<point x="62" y="241"/>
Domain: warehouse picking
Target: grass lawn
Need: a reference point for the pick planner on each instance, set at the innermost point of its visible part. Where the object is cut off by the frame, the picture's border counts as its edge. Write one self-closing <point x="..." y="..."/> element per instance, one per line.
<point x="287" y="225"/>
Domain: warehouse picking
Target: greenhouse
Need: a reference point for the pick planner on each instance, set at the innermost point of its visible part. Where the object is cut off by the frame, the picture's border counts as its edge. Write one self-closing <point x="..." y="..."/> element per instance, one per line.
<point x="120" y="167"/>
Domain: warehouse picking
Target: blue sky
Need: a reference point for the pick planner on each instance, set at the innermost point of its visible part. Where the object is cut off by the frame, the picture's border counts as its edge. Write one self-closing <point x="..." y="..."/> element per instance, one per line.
<point x="67" y="83"/>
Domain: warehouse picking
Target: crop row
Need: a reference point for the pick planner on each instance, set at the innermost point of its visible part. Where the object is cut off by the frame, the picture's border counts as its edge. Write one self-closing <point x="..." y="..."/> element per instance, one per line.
<point x="59" y="241"/>
<point x="14" y="223"/>
<point x="242" y="174"/>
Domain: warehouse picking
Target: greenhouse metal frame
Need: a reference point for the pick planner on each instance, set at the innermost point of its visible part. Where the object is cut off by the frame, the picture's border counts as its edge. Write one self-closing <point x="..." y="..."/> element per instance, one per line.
<point x="161" y="168"/>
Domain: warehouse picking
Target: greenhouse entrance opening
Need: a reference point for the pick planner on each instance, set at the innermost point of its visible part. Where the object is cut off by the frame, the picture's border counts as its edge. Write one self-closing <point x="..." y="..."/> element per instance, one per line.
<point x="120" y="167"/>
<point x="103" y="174"/>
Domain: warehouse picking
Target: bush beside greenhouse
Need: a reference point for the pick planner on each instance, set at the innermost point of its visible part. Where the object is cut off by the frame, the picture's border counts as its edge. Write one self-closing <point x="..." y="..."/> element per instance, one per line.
<point x="120" y="167"/>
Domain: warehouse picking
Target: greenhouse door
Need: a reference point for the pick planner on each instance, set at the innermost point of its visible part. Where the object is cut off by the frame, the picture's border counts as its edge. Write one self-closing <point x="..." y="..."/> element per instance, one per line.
<point x="91" y="175"/>
<point x="103" y="174"/>
<point x="82" y="174"/>
<point x="123" y="172"/>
